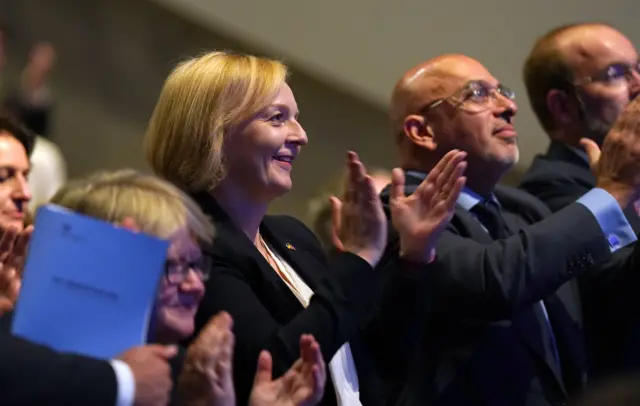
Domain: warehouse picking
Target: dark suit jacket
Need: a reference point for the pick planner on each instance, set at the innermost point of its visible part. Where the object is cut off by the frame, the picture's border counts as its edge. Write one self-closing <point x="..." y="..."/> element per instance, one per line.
<point x="560" y="177"/>
<point x="176" y="363"/>
<point x="484" y="343"/>
<point x="348" y="295"/>
<point x="35" y="375"/>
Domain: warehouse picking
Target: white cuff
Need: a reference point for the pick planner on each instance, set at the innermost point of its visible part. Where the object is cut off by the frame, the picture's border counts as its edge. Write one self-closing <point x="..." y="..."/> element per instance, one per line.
<point x="126" y="383"/>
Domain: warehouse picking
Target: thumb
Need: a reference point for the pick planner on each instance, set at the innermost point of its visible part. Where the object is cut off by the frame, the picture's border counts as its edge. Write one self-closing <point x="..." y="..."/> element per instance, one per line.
<point x="164" y="351"/>
<point x="263" y="372"/>
<point x="592" y="150"/>
<point x="397" y="184"/>
<point x="5" y="305"/>
<point x="336" y="222"/>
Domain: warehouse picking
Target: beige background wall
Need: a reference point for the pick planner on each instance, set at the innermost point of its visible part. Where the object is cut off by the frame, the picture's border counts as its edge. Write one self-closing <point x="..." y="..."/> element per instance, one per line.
<point x="113" y="58"/>
<point x="114" y="55"/>
<point x="365" y="45"/>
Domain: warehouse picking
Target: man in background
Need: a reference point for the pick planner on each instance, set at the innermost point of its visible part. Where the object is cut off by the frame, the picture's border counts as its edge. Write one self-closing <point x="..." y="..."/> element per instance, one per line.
<point x="579" y="78"/>
<point x="31" y="103"/>
<point x="509" y="278"/>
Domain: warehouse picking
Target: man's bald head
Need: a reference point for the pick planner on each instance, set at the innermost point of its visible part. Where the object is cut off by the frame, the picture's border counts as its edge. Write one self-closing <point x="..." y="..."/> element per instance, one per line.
<point x="475" y="116"/>
<point x="426" y="82"/>
<point x="565" y="54"/>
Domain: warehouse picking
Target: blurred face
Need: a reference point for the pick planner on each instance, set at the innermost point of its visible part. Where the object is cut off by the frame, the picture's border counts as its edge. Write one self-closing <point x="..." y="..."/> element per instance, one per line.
<point x="475" y="115"/>
<point x="261" y="154"/>
<point x="14" y="190"/>
<point x="605" y="65"/>
<point x="43" y="57"/>
<point x="181" y="289"/>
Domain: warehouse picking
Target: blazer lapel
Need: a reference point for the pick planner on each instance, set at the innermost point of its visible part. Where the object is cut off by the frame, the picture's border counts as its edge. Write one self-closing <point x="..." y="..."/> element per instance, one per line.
<point x="236" y="241"/>
<point x="295" y="255"/>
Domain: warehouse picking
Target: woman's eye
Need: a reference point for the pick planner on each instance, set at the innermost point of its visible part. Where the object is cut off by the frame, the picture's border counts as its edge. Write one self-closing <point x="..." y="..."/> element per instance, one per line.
<point x="277" y="117"/>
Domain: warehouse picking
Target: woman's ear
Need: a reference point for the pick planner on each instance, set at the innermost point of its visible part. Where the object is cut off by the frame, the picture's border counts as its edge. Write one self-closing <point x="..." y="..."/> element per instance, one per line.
<point x="419" y="131"/>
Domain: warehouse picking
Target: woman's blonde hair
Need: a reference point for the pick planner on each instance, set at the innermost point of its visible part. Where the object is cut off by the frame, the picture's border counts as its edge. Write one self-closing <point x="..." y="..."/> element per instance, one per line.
<point x="202" y="101"/>
<point x="157" y="207"/>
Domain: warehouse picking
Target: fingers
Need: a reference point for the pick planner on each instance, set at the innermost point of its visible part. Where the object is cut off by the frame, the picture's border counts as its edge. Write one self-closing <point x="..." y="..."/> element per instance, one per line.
<point x="22" y="242"/>
<point x="592" y="150"/>
<point x="7" y="241"/>
<point x="6" y="305"/>
<point x="163" y="351"/>
<point x="336" y="222"/>
<point x="362" y="190"/>
<point x="354" y="172"/>
<point x="223" y="319"/>
<point x="448" y="190"/>
<point x="212" y="337"/>
<point x="454" y="193"/>
<point x="442" y="178"/>
<point x="224" y="365"/>
<point x="397" y="184"/>
<point x="310" y="349"/>
<point x="319" y="380"/>
<point x="450" y="170"/>
<point x="263" y="372"/>
<point x="356" y="179"/>
<point x="440" y="166"/>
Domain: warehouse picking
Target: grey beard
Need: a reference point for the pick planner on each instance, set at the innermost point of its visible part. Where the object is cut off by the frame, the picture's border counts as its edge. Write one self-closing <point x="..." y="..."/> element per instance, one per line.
<point x="594" y="127"/>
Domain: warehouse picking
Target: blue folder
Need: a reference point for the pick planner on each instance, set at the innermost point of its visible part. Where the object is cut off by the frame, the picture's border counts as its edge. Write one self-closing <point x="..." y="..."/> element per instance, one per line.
<point x="88" y="287"/>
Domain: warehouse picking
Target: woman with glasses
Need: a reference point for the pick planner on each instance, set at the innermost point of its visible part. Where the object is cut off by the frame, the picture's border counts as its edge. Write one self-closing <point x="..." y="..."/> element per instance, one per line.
<point x="155" y="207"/>
<point x="150" y="205"/>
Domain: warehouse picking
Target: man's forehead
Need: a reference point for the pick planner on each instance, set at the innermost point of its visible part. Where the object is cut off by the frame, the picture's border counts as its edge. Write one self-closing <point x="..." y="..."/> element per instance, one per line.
<point x="456" y="79"/>
<point x="12" y="153"/>
<point x="595" y="45"/>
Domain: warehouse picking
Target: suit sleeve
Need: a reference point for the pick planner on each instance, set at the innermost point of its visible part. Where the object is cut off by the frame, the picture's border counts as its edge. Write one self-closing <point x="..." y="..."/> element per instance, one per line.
<point x="337" y="311"/>
<point x="35" y="375"/>
<point x="401" y="310"/>
<point x="493" y="281"/>
<point x="555" y="193"/>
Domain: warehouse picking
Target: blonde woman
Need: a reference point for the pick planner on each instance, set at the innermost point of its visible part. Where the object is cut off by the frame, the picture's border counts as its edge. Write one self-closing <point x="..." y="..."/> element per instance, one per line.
<point x="226" y="129"/>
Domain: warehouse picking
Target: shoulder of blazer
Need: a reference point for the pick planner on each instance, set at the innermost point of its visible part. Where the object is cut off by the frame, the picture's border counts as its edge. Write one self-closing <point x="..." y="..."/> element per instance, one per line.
<point x="288" y="228"/>
<point x="559" y="163"/>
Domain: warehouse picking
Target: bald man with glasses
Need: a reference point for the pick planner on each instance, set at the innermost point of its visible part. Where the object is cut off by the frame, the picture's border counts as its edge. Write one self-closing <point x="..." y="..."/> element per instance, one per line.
<point x="509" y="278"/>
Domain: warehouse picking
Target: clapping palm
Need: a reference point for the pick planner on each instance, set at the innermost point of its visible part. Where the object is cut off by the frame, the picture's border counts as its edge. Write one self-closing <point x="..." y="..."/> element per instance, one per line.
<point x="302" y="385"/>
<point x="207" y="376"/>
<point x="421" y="217"/>
<point x="13" y="251"/>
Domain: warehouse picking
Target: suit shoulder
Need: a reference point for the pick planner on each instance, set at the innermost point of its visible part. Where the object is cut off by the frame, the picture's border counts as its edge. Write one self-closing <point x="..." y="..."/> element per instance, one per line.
<point x="291" y="228"/>
<point x="547" y="170"/>
<point x="281" y="221"/>
<point x="522" y="202"/>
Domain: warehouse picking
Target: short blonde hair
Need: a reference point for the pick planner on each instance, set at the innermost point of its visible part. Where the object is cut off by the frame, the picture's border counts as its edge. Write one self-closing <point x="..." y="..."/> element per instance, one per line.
<point x="202" y="101"/>
<point x="157" y="207"/>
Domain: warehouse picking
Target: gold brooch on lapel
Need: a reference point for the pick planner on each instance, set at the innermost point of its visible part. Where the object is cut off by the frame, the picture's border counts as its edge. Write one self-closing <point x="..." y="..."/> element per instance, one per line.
<point x="291" y="247"/>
